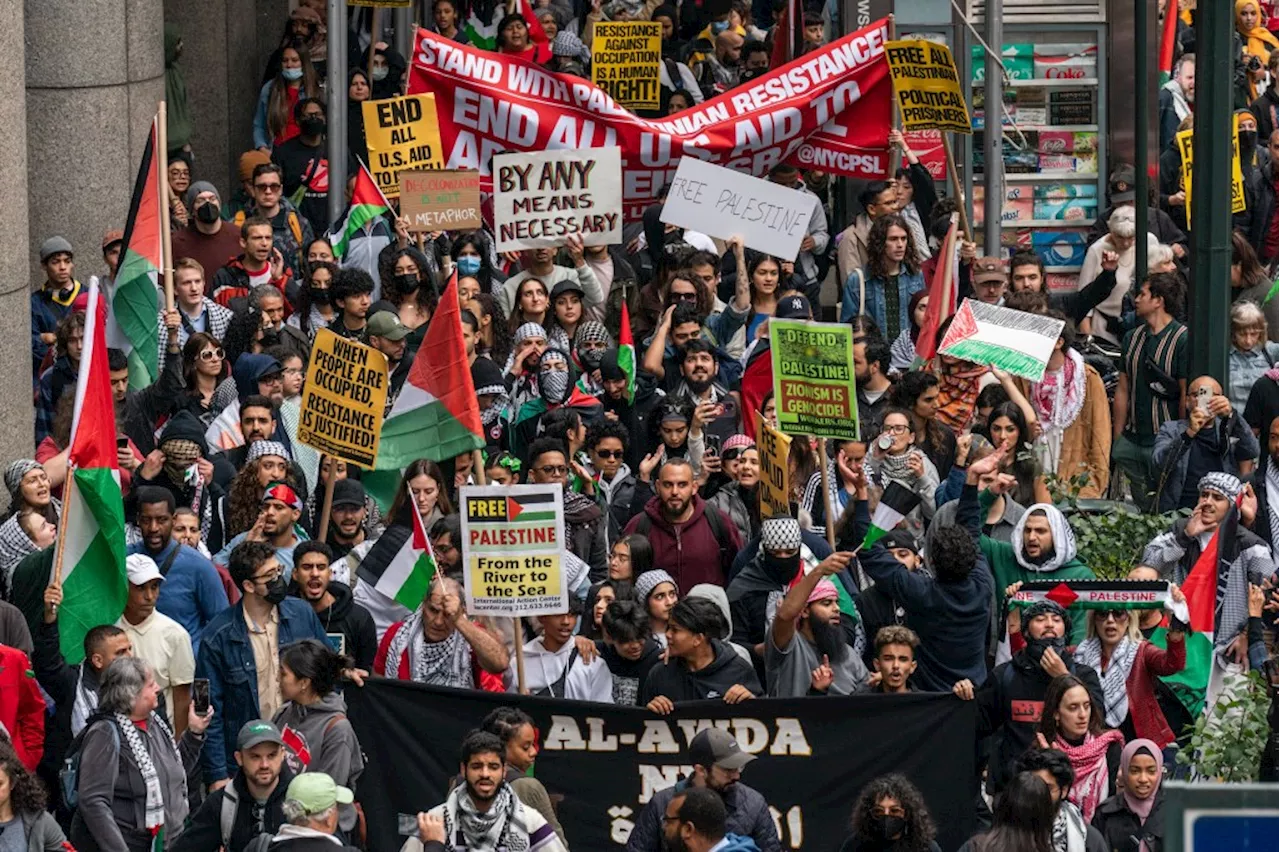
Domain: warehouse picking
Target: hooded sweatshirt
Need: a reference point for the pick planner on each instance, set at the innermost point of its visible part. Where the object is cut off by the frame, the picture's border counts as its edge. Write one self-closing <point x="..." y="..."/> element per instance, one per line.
<point x="629" y="675"/>
<point x="318" y="738"/>
<point x="349" y="620"/>
<point x="1010" y="564"/>
<point x="675" y="681"/>
<point x="689" y="552"/>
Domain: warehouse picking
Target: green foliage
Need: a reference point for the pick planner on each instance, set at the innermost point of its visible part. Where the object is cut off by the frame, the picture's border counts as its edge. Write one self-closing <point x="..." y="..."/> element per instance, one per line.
<point x="1227" y="742"/>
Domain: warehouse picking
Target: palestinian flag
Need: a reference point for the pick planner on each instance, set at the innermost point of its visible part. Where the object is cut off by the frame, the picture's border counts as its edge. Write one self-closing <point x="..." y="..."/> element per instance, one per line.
<point x="895" y="504"/>
<point x="91" y="535"/>
<point x="135" y="296"/>
<point x="482" y="35"/>
<point x="537" y="35"/>
<point x="1168" y="35"/>
<point x="757" y="383"/>
<point x="367" y="204"/>
<point x="627" y="352"/>
<point x="437" y="415"/>
<point x="408" y="575"/>
<point x="1096" y="594"/>
<point x="942" y="297"/>
<point x="1015" y="341"/>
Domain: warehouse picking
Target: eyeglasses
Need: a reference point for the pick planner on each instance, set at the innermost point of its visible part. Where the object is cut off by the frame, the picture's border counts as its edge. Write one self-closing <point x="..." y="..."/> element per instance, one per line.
<point x="268" y="187"/>
<point x="273" y="379"/>
<point x="293" y="371"/>
<point x="896" y="429"/>
<point x="609" y="454"/>
<point x="554" y="469"/>
<point x="212" y="355"/>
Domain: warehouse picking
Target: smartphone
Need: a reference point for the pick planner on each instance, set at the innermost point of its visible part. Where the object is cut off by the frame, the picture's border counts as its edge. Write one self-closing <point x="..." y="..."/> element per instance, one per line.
<point x="200" y="695"/>
<point x="122" y="443"/>
<point x="711" y="444"/>
<point x="1203" y="396"/>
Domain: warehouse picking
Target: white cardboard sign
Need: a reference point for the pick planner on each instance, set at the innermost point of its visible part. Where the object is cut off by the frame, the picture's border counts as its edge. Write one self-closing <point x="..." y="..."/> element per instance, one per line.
<point x="539" y="199"/>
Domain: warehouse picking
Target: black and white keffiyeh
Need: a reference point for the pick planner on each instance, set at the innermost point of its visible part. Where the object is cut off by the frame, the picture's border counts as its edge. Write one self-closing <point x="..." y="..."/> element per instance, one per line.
<point x="446" y="663"/>
<point x="142" y="756"/>
<point x="1089" y="652"/>
<point x="501" y="826"/>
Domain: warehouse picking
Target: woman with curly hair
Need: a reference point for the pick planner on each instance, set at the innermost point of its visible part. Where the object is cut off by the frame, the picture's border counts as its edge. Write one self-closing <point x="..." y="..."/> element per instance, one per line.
<point x="267" y="463"/>
<point x="22" y="808"/>
<point x="892" y="276"/>
<point x="409" y="285"/>
<point x="917" y="392"/>
<point x="890" y="814"/>
<point x="204" y="366"/>
<point x="493" y="333"/>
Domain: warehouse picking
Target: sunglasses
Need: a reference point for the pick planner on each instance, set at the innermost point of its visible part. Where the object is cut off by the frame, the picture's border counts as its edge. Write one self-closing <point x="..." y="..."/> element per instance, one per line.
<point x="554" y="469"/>
<point x="609" y="454"/>
<point x="684" y="297"/>
<point x="268" y="187"/>
<point x="1112" y="615"/>
<point x="212" y="355"/>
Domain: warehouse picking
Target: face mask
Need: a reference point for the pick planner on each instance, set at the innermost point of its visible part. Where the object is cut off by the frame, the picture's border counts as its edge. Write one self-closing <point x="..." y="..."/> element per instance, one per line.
<point x="318" y="296"/>
<point x="1248" y="143"/>
<point x="591" y="358"/>
<point x="380" y="74"/>
<point x="291" y="74"/>
<point x="718" y="27"/>
<point x="782" y="570"/>
<point x="748" y="74"/>
<point x="1037" y="647"/>
<point x="407" y="283"/>
<point x="553" y="385"/>
<point x="277" y="589"/>
<point x="889" y="827"/>
<point x="468" y="264"/>
<point x="312" y="126"/>
<point x="207" y="213"/>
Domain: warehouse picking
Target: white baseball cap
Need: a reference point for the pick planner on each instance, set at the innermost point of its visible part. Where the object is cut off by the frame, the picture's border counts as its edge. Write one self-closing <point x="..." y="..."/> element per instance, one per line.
<point x="142" y="569"/>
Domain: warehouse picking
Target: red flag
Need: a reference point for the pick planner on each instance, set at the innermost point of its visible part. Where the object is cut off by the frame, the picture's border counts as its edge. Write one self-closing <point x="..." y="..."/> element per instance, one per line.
<point x="1167" y="36"/>
<point x="788" y="36"/>
<point x="942" y="296"/>
<point x="95" y="445"/>
<point x="757" y="383"/>
<point x="297" y="742"/>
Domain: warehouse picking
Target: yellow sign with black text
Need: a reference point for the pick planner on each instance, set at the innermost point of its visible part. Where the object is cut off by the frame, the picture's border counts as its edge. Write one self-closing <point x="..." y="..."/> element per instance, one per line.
<point x="775" y="488"/>
<point x="1185" y="140"/>
<point x="625" y="58"/>
<point x="927" y="86"/>
<point x="401" y="134"/>
<point x="343" y="399"/>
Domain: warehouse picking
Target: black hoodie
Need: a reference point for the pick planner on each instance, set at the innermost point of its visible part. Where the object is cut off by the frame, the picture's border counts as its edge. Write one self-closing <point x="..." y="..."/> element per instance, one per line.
<point x="676" y="682"/>
<point x="350" y="620"/>
<point x="204" y="829"/>
<point x="629" y="676"/>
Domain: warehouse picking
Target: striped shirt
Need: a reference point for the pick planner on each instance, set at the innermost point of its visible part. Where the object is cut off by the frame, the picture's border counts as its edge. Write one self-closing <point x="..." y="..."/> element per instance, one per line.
<point x="1167" y="350"/>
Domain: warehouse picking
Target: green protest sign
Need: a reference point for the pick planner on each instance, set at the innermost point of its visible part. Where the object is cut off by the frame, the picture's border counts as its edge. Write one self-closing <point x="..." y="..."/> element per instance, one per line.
<point x="813" y="382"/>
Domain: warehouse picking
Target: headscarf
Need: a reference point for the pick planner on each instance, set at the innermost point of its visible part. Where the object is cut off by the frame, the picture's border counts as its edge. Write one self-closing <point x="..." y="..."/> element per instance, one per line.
<point x="958" y="388"/>
<point x="591" y="331"/>
<point x="1221" y="483"/>
<point x="824" y="591"/>
<point x="1258" y="41"/>
<point x="15" y="545"/>
<point x="1141" y="807"/>
<point x="14" y="473"/>
<point x="258" y="449"/>
<point x="1064" y="540"/>
<point x="553" y="385"/>
<point x="780" y="534"/>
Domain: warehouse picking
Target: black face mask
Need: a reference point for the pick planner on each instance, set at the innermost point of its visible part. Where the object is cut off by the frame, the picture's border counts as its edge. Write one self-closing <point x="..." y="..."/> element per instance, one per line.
<point x="277" y="589"/>
<point x="748" y="74"/>
<point x="312" y="126"/>
<point x="888" y="827"/>
<point x="406" y="283"/>
<point x="319" y="295"/>
<point x="1037" y="647"/>
<point x="207" y="213"/>
<point x="1248" y="143"/>
<point x="782" y="570"/>
<point x="591" y="358"/>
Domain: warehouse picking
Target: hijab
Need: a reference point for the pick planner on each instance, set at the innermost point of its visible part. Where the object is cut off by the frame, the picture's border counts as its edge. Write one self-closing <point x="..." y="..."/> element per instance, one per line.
<point x="1141" y="807"/>
<point x="1064" y="540"/>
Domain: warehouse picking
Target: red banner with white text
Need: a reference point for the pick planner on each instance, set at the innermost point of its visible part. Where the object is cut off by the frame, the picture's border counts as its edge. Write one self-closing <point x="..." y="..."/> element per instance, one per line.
<point x="829" y="109"/>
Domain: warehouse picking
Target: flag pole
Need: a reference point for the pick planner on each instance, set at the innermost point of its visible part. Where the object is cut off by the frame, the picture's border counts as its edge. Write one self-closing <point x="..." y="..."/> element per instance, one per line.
<point x="826" y="493"/>
<point x="955" y="187"/>
<point x="374" y="27"/>
<point x="68" y="494"/>
<point x="326" y="505"/>
<point x="894" y="156"/>
<point x="477" y="467"/>
<point x="162" y="151"/>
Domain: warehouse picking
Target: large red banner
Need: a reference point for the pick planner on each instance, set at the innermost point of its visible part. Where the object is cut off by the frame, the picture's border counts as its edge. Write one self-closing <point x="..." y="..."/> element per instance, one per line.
<point x="828" y="109"/>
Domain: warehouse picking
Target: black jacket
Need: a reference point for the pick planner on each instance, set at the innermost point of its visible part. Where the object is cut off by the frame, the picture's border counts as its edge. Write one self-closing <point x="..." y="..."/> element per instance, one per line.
<point x="204" y="828"/>
<point x="352" y="621"/>
<point x="676" y="682"/>
<point x="1120" y="828"/>
<point x="1009" y="708"/>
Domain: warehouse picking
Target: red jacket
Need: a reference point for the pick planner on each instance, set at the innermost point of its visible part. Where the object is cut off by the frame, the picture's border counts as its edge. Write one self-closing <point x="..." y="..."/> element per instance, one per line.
<point x="1148" y="721"/>
<point x="690" y="552"/>
<point x="22" y="708"/>
<point x="487" y="681"/>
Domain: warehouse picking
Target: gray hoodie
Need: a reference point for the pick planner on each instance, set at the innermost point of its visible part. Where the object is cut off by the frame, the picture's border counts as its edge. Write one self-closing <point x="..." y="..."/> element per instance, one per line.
<point x="324" y="733"/>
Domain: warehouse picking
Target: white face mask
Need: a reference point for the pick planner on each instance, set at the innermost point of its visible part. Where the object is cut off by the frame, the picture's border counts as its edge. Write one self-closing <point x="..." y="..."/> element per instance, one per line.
<point x="380" y="74"/>
<point x="291" y="74"/>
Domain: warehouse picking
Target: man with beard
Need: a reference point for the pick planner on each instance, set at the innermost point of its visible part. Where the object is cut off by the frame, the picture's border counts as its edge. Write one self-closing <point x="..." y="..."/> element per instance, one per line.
<point x="699" y="666"/>
<point x="950" y="610"/>
<point x="347" y="517"/>
<point x="191" y="594"/>
<point x="718" y="761"/>
<point x="446" y="543"/>
<point x="1012" y="699"/>
<point x="276" y="525"/>
<point x="1212" y="437"/>
<point x="348" y="625"/>
<point x="585" y="527"/>
<point x="806" y="653"/>
<point x="871" y="360"/>
<point x="521" y="373"/>
<point x="694" y="821"/>
<point x="711" y="400"/>
<point x="483" y="814"/>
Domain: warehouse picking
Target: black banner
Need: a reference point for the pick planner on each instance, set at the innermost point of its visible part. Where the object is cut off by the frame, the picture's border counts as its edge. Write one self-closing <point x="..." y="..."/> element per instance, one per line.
<point x="813" y="755"/>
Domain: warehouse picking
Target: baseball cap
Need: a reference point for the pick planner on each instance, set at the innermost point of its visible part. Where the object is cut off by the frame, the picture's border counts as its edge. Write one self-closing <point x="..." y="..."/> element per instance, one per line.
<point x="793" y="307"/>
<point x="1122" y="184"/>
<point x="257" y="732"/>
<point x="900" y="539"/>
<point x="348" y="492"/>
<point x="55" y="245"/>
<point x="115" y="235"/>
<point x="714" y="747"/>
<point x="317" y="792"/>
<point x="987" y="269"/>
<point x="142" y="569"/>
<point x="388" y="325"/>
<point x="569" y="285"/>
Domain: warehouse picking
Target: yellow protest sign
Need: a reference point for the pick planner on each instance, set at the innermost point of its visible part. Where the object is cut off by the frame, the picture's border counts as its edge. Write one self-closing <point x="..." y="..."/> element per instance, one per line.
<point x="401" y="133"/>
<point x="343" y="399"/>
<point x="927" y="86"/>
<point x="775" y="490"/>
<point x="1185" y="141"/>
<point x="512" y="545"/>
<point x="625" y="57"/>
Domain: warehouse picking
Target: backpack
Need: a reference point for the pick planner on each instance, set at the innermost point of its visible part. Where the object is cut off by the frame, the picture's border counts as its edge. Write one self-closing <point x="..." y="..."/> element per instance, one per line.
<point x="227" y="821"/>
<point x="69" y="775"/>
<point x="712" y="514"/>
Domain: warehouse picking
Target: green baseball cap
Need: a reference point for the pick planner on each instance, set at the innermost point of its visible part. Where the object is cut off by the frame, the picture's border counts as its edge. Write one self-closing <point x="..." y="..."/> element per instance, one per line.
<point x="257" y="732"/>
<point x="317" y="792"/>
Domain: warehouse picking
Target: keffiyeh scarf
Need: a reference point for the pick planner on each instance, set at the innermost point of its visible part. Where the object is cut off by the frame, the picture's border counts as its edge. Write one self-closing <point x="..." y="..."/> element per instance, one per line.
<point x="154" y="818"/>
<point x="1114" y="678"/>
<point x="1058" y="400"/>
<point x="1069" y="830"/>
<point x="446" y="663"/>
<point x="1089" y="760"/>
<point x="15" y="545"/>
<point x="958" y="388"/>
<point x="502" y="826"/>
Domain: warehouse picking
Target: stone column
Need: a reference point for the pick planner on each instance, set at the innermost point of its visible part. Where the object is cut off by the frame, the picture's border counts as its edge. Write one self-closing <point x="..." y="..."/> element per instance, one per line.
<point x="94" y="77"/>
<point x="16" y="415"/>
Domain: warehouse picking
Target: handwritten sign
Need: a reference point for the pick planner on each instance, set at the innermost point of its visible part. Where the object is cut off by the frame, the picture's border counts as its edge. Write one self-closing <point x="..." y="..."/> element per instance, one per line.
<point x="343" y="399"/>
<point x="813" y="381"/>
<point x="775" y="491"/>
<point x="723" y="203"/>
<point x="401" y="134"/>
<point x="1185" y="140"/>
<point x="512" y="541"/>
<point x="625" y="58"/>
<point x="927" y="86"/>
<point x="539" y="199"/>
<point x="441" y="201"/>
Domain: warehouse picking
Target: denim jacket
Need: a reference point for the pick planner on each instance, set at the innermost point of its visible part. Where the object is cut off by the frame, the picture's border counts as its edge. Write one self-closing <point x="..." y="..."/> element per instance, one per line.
<point x="226" y="659"/>
<point x="908" y="285"/>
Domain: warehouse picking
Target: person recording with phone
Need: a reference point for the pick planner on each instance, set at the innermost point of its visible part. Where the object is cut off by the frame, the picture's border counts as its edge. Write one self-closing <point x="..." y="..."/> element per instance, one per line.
<point x="1212" y="438"/>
